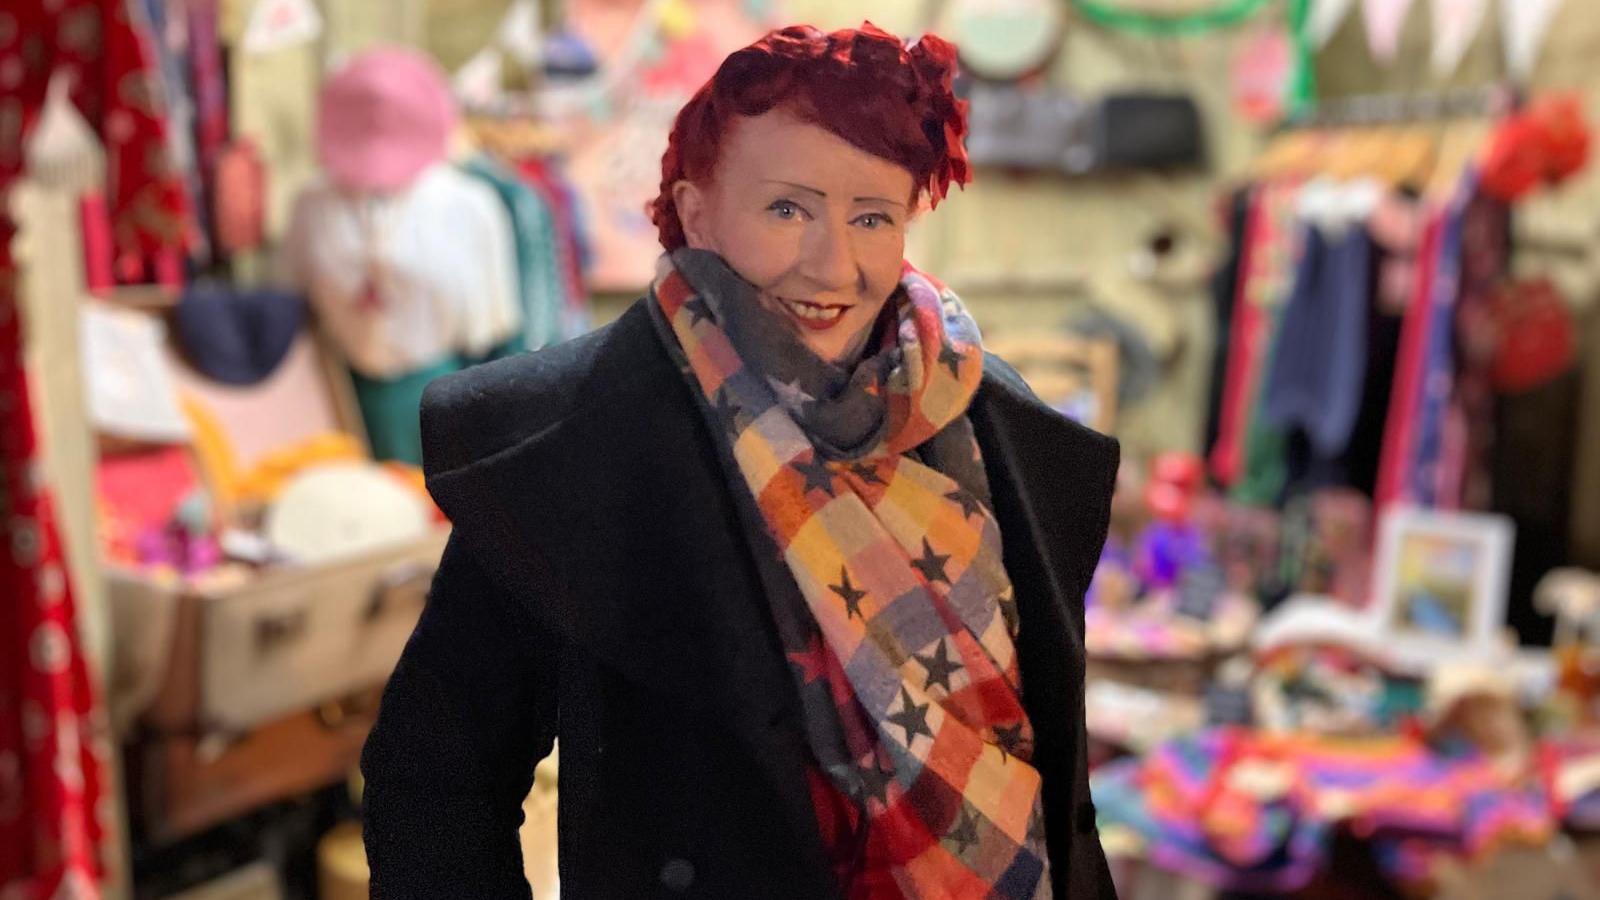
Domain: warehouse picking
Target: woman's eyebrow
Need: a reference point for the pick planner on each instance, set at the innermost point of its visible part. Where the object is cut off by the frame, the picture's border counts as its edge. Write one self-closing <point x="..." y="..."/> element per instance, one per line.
<point x="811" y="190"/>
<point x="798" y="187"/>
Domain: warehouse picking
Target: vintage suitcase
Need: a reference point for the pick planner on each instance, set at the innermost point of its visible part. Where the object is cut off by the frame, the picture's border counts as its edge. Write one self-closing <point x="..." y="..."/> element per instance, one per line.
<point x="240" y="690"/>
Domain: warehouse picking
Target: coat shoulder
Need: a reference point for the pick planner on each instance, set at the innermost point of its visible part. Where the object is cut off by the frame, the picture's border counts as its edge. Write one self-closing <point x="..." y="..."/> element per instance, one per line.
<point x="488" y="409"/>
<point x="1009" y="388"/>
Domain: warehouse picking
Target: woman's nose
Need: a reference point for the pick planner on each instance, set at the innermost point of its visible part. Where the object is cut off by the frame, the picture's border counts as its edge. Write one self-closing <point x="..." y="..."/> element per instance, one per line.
<point x="829" y="260"/>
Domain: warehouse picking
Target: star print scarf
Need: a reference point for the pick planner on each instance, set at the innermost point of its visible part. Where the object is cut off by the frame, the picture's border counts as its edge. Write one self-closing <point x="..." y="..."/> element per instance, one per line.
<point x="901" y="628"/>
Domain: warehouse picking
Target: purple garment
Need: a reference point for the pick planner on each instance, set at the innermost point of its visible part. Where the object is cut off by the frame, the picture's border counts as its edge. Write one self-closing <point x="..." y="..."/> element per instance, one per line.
<point x="1164" y="550"/>
<point x="1319" y="364"/>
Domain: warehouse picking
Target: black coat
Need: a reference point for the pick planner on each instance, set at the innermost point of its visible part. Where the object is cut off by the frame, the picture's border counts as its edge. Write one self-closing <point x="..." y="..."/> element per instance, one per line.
<point x="598" y="586"/>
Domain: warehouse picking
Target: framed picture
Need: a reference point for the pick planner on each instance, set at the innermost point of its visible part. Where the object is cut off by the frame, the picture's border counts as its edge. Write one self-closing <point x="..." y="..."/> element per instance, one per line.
<point x="1440" y="583"/>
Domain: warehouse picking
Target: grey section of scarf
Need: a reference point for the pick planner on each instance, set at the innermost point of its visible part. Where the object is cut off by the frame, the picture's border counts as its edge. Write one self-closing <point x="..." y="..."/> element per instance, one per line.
<point x="833" y="403"/>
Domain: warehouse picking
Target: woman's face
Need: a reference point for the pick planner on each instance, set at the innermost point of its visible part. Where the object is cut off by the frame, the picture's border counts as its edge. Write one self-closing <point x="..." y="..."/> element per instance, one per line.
<point x="813" y="222"/>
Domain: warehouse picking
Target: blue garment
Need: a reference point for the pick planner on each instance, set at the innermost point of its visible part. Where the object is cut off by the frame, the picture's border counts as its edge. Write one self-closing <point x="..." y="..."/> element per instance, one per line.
<point x="1318" y="365"/>
<point x="1438" y="359"/>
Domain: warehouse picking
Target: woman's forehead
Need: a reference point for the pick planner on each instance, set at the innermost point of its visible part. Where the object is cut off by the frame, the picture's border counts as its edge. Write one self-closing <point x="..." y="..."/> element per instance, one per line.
<point x="779" y="148"/>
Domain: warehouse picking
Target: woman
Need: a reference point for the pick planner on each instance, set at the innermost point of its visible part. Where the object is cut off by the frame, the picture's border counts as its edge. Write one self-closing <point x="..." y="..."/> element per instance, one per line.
<point x="792" y="569"/>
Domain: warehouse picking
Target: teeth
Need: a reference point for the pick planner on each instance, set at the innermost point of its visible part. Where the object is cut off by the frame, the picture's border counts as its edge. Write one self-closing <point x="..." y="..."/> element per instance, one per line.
<point x="812" y="311"/>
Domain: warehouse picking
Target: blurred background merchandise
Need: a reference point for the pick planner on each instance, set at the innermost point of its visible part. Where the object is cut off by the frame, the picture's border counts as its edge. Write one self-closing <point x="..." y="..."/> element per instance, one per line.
<point x="1328" y="269"/>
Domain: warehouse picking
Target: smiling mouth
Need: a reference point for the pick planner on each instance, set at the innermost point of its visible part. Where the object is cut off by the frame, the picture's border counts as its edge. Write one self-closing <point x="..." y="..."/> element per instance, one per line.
<point x="813" y="315"/>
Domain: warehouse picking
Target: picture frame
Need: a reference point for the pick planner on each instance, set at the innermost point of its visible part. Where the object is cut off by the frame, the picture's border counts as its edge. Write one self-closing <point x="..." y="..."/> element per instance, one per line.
<point x="1439" y="585"/>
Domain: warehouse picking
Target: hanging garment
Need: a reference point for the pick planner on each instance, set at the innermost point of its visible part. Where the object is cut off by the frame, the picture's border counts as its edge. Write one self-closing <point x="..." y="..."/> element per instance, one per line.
<point x="572" y="246"/>
<point x="1485" y="260"/>
<point x="540" y="282"/>
<point x="1399" y="438"/>
<point x="1224" y="291"/>
<point x="1262" y="446"/>
<point x="170" y="40"/>
<point x="54" y="747"/>
<point x="1226" y="459"/>
<point x="404" y="281"/>
<point x="1318" y="366"/>
<point x="1436" y="376"/>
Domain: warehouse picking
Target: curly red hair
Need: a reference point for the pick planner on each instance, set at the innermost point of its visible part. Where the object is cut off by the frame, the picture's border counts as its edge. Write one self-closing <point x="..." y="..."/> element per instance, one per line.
<point x="864" y="85"/>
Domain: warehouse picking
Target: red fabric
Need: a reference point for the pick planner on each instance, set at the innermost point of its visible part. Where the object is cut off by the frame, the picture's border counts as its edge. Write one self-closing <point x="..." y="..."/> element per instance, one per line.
<point x="53" y="743"/>
<point x="1537" y="339"/>
<point x="140" y="492"/>
<point x="1247" y="329"/>
<point x="1399" y="432"/>
<point x="869" y="877"/>
<point x="1546" y="143"/>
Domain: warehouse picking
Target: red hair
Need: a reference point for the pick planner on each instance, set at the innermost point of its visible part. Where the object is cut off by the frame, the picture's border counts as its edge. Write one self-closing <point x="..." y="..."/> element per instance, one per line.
<point x="892" y="101"/>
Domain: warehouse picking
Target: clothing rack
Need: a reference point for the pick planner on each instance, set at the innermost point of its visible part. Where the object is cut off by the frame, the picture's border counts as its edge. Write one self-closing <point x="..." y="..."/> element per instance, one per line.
<point x="1396" y="108"/>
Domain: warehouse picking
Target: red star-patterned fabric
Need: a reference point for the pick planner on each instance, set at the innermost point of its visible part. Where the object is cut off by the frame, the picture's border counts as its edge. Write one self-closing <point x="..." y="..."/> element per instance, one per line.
<point x="54" y="747"/>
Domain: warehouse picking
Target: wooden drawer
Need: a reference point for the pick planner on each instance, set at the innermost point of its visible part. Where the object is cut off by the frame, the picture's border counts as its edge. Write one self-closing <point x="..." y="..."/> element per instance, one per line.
<point x="182" y="785"/>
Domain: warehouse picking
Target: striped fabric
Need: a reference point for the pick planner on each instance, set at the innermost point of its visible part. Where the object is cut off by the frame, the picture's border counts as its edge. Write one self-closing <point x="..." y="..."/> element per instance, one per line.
<point x="912" y="670"/>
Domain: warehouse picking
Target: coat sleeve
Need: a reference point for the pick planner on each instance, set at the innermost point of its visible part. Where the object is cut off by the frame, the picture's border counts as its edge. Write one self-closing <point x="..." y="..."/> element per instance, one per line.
<point x="1089" y="856"/>
<point x="466" y="716"/>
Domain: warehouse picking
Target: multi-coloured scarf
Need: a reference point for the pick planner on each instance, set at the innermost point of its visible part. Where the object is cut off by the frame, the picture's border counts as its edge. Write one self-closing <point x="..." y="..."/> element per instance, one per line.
<point x="909" y="681"/>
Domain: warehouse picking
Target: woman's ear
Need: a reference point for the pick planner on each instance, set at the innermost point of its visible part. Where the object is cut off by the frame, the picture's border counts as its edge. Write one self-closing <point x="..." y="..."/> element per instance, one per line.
<point x="693" y="204"/>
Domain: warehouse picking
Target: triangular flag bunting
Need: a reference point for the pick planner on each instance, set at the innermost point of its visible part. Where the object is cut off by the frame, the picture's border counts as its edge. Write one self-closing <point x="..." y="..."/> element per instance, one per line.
<point x="1456" y="24"/>
<point x="1525" y="23"/>
<point x="1384" y="20"/>
<point x="280" y="24"/>
<point x="1324" y="20"/>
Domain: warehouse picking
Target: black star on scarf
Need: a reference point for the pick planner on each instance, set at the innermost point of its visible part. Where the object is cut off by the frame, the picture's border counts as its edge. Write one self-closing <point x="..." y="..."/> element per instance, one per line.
<point x="1009" y="738"/>
<point x="848" y="592"/>
<point x="866" y="473"/>
<point x="697" y="310"/>
<point x="931" y="565"/>
<point x="965" y="834"/>
<point x="875" y="783"/>
<point x="939" y="667"/>
<point x="817" y="475"/>
<point x="969" y="502"/>
<point x="732" y="415"/>
<point x="911" y="717"/>
<point x="949" y="356"/>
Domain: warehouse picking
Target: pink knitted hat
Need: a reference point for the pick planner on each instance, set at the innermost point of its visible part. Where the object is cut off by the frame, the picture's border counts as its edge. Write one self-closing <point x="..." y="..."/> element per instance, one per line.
<point x="382" y="118"/>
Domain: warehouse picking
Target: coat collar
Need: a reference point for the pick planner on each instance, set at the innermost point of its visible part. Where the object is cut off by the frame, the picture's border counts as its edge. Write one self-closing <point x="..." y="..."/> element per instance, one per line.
<point x="618" y="525"/>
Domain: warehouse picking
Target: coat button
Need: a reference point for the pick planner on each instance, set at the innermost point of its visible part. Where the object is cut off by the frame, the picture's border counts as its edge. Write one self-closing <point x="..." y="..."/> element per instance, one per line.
<point x="677" y="875"/>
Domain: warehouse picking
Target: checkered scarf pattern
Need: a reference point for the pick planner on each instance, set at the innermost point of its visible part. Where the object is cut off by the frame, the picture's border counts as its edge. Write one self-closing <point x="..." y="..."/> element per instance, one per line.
<point x="910" y="685"/>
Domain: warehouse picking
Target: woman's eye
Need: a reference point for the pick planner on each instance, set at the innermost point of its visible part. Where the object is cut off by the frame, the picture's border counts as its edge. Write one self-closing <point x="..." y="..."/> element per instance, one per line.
<point x="873" y="221"/>
<point x="785" y="209"/>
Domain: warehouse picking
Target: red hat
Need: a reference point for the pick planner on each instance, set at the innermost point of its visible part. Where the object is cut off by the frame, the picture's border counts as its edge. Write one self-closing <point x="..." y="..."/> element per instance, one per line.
<point x="382" y="118"/>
